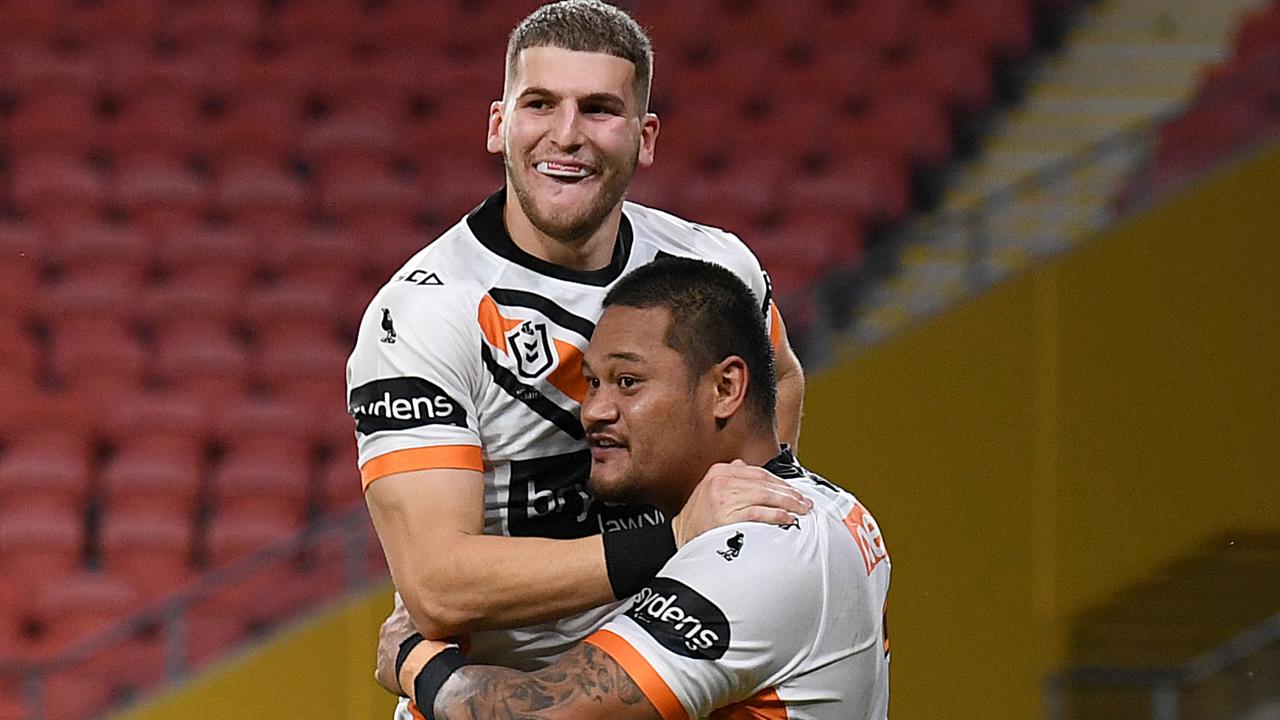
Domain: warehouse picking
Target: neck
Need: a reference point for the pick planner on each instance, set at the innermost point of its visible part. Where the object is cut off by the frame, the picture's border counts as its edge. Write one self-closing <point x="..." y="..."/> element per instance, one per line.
<point x="754" y="447"/>
<point x="591" y="252"/>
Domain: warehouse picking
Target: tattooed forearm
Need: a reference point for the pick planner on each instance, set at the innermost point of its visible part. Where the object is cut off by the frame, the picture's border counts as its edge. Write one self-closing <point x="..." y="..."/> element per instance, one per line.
<point x="585" y="683"/>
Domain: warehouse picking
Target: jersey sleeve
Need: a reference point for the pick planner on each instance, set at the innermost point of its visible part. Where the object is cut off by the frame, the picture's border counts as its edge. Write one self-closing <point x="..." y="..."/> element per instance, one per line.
<point x="744" y="263"/>
<point x="733" y="614"/>
<point x="412" y="383"/>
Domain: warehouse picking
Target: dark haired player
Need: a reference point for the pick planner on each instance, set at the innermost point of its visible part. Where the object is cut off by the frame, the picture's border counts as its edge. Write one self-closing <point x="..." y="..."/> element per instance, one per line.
<point x="745" y="621"/>
<point x="471" y="452"/>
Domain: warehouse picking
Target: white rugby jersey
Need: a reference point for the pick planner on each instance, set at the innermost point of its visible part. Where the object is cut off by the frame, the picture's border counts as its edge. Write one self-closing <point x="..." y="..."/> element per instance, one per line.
<point x="759" y="621"/>
<point x="471" y="357"/>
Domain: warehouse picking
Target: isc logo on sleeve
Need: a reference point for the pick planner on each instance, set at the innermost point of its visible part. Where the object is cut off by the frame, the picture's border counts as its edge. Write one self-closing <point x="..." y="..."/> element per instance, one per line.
<point x="402" y="403"/>
<point x="681" y="619"/>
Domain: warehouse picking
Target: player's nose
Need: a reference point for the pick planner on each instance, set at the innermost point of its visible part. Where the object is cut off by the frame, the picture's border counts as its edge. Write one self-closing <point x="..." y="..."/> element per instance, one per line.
<point x="597" y="410"/>
<point x="566" y="126"/>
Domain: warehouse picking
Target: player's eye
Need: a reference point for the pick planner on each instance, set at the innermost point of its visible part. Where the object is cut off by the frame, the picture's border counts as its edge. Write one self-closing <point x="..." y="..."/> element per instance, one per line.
<point x="626" y="382"/>
<point x="593" y="383"/>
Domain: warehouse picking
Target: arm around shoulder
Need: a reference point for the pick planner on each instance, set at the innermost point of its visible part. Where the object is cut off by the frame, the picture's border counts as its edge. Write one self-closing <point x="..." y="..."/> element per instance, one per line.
<point x="454" y="579"/>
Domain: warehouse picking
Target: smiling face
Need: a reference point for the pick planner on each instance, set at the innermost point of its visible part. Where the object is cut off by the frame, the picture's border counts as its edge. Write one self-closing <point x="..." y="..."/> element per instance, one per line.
<point x="651" y="424"/>
<point x="572" y="134"/>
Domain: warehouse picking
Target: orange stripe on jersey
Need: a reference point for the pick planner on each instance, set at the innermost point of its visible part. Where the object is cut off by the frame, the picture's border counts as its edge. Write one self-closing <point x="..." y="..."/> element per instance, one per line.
<point x="415" y="712"/>
<point x="568" y="377"/>
<point x="461" y="457"/>
<point x="775" y="326"/>
<point x="650" y="682"/>
<point x="764" y="705"/>
<point x="493" y="324"/>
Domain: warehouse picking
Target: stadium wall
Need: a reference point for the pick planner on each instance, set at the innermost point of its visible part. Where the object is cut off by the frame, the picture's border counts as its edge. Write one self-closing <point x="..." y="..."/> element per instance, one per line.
<point x="1028" y="454"/>
<point x="1056" y="439"/>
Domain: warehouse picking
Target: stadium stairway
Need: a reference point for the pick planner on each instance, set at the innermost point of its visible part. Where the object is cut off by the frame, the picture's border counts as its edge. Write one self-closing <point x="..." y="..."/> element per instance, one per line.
<point x="1176" y="615"/>
<point x="1124" y="65"/>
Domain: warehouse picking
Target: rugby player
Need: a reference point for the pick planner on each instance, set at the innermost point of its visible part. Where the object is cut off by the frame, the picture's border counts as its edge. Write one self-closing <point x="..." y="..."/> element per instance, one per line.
<point x="745" y="621"/>
<point x="466" y="379"/>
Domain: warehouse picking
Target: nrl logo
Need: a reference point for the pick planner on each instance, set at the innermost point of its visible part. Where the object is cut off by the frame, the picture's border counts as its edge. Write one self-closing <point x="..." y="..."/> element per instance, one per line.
<point x="531" y="345"/>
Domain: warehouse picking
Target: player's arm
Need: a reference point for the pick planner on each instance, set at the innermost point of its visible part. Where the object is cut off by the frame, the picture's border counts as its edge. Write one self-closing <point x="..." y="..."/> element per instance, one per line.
<point x="790" y="380"/>
<point x="584" y="684"/>
<point x="454" y="579"/>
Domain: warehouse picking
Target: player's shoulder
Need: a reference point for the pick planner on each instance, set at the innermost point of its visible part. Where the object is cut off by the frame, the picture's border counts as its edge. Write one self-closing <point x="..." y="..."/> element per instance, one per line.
<point x="440" y="281"/>
<point x="668" y="233"/>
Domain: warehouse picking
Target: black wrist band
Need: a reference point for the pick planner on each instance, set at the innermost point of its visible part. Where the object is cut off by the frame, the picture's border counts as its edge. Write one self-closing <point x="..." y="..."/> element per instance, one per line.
<point x="406" y="646"/>
<point x="433" y="676"/>
<point x="633" y="556"/>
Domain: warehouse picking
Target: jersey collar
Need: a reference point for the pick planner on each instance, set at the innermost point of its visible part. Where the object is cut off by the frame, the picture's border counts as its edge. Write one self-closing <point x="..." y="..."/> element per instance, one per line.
<point x="490" y="229"/>
<point x="785" y="465"/>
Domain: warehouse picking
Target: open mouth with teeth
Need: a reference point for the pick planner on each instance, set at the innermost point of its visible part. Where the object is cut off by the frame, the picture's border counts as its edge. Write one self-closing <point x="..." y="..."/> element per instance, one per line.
<point x="564" y="172"/>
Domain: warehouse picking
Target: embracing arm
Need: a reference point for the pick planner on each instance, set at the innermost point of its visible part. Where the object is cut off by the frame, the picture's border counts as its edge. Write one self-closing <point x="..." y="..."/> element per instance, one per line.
<point x="584" y="684"/>
<point x="454" y="579"/>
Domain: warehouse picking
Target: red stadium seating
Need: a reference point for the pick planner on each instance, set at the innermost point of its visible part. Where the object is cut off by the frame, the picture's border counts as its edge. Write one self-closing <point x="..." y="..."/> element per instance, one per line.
<point x="76" y="606"/>
<point x="46" y="470"/>
<point x="200" y="357"/>
<point x="150" y="550"/>
<point x="40" y="543"/>
<point x="154" y="475"/>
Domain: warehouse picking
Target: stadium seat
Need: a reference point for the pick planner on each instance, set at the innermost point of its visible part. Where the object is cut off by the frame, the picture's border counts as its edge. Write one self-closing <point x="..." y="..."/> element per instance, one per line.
<point x="80" y="604"/>
<point x="154" y="475"/>
<point x="28" y="22"/>
<point x="268" y="480"/>
<point x="40" y="543"/>
<point x="340" y="487"/>
<point x="162" y="196"/>
<point x="54" y="122"/>
<point x="750" y="184"/>
<point x="328" y="22"/>
<point x="370" y="198"/>
<point x="133" y="20"/>
<point x="58" y="193"/>
<point x="289" y="303"/>
<point x="123" y="253"/>
<point x="150" y="550"/>
<point x="258" y="419"/>
<point x="256" y="127"/>
<point x="356" y="140"/>
<point x="203" y="358"/>
<point x="266" y="593"/>
<point x="196" y="300"/>
<point x="263" y="199"/>
<point x="34" y="68"/>
<point x="229" y="22"/>
<point x="858" y="189"/>
<point x="227" y="253"/>
<point x="302" y="368"/>
<point x="87" y="298"/>
<point x="47" y="469"/>
<point x="170" y="419"/>
<point x="98" y="359"/>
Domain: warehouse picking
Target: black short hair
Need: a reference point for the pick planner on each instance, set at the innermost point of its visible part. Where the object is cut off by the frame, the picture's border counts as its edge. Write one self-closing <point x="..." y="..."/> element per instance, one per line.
<point x="714" y="315"/>
<point x="586" y="26"/>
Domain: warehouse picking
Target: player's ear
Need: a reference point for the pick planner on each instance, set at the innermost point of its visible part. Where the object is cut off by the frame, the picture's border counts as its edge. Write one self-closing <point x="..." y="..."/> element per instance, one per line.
<point x="649" y="126"/>
<point x="731" y="378"/>
<point x="493" y="141"/>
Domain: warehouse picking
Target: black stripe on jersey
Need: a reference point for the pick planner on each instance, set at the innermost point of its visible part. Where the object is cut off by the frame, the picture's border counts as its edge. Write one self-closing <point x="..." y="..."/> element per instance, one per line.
<point x="490" y="229"/>
<point x="533" y="301"/>
<point x="536" y="401"/>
